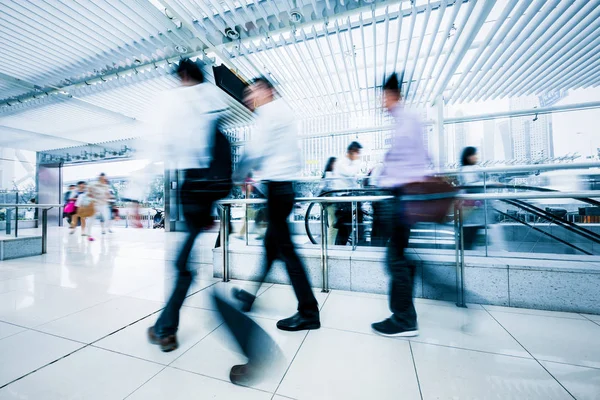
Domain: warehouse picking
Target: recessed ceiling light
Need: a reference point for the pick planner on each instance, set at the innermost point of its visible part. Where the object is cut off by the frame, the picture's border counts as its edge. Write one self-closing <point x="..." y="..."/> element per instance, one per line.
<point x="295" y="16"/>
<point x="181" y="49"/>
<point x="232" y="33"/>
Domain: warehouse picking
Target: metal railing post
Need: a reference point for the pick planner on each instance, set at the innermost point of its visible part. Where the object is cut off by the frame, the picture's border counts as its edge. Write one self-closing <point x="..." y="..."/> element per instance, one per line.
<point x="16" y="214"/>
<point x="16" y="221"/>
<point x="225" y="240"/>
<point x="44" y="231"/>
<point x="324" y="258"/>
<point x="354" y="225"/>
<point x="485" y="210"/>
<point x="8" y="220"/>
<point x="460" y="255"/>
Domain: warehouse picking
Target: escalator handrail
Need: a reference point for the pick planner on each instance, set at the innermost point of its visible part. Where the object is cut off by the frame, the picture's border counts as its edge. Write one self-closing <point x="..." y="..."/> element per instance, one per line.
<point x="594" y="237"/>
<point x="535" y="228"/>
<point x="544" y="213"/>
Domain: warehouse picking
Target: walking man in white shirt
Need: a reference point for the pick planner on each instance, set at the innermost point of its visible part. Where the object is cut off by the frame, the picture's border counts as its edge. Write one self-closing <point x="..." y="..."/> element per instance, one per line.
<point x="187" y="135"/>
<point x="274" y="151"/>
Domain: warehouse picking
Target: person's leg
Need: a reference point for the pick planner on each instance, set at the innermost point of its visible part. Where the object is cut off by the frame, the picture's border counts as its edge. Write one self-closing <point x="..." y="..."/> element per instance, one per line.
<point x="403" y="321"/>
<point x="108" y="217"/>
<point x="271" y="254"/>
<point x="343" y="224"/>
<point x="167" y="324"/>
<point x="281" y="203"/>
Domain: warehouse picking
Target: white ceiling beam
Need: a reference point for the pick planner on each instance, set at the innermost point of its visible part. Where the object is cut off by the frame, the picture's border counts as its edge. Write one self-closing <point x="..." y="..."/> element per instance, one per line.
<point x="568" y="32"/>
<point x="576" y="59"/>
<point x="535" y="39"/>
<point x="419" y="45"/>
<point x="440" y="48"/>
<point x="456" y="89"/>
<point x="484" y="12"/>
<point x="520" y="45"/>
<point x="483" y="63"/>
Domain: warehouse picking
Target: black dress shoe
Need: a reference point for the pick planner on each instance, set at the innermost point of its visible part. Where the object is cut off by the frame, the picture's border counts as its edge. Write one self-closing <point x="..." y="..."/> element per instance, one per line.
<point x="299" y="322"/>
<point x="247" y="299"/>
<point x="243" y="374"/>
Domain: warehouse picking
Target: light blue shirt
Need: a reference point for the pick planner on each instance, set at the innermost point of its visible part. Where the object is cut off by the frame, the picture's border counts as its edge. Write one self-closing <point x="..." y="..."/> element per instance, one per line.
<point x="407" y="159"/>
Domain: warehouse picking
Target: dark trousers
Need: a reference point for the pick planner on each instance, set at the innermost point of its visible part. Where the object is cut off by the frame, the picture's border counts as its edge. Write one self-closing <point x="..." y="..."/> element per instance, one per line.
<point x="279" y="245"/>
<point x="197" y="197"/>
<point x="401" y="272"/>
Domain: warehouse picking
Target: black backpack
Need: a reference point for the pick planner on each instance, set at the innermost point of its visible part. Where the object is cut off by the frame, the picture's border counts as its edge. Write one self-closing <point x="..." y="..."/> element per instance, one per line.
<point x="220" y="169"/>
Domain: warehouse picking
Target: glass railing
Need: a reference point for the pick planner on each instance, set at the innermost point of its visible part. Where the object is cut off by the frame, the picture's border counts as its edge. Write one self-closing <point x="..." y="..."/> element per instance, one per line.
<point x="495" y="220"/>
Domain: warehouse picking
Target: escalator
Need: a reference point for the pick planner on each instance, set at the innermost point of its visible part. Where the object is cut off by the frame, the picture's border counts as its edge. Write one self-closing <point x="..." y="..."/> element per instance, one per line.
<point x="547" y="215"/>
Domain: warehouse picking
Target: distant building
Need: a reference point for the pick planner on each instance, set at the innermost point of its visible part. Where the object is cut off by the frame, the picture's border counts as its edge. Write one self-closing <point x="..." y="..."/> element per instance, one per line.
<point x="488" y="143"/>
<point x="531" y="136"/>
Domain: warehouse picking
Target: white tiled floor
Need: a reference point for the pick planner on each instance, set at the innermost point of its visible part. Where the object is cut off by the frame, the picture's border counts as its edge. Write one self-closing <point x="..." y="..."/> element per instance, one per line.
<point x="73" y="324"/>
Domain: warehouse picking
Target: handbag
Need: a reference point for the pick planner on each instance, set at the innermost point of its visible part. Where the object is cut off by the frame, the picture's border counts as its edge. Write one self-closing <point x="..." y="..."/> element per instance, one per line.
<point x="70" y="207"/>
<point x="428" y="201"/>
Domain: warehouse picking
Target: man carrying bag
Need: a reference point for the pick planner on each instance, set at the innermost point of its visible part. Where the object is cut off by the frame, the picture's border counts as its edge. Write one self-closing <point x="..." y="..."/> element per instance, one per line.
<point x="416" y="199"/>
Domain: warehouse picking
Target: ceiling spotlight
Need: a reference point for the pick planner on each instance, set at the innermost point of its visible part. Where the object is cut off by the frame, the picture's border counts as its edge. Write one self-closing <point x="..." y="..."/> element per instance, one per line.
<point x="232" y="33"/>
<point x="295" y="16"/>
<point x="181" y="49"/>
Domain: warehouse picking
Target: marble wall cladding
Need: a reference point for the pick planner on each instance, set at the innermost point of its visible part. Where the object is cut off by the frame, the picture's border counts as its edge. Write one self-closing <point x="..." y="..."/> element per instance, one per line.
<point x="486" y="286"/>
<point x="439" y="281"/>
<point x="20" y="247"/>
<point x="539" y="284"/>
<point x="557" y="291"/>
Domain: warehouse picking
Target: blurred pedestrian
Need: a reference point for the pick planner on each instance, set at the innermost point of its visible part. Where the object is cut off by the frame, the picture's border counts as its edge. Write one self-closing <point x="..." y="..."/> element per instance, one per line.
<point x="346" y="174"/>
<point x="84" y="208"/>
<point x="405" y="162"/>
<point x="328" y="185"/>
<point x="474" y="219"/>
<point x="274" y="151"/>
<point x="188" y="134"/>
<point x="101" y="193"/>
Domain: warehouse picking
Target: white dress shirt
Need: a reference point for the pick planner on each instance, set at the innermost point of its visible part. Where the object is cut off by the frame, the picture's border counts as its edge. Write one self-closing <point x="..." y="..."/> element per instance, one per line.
<point x="180" y="130"/>
<point x="274" y="150"/>
<point x="346" y="173"/>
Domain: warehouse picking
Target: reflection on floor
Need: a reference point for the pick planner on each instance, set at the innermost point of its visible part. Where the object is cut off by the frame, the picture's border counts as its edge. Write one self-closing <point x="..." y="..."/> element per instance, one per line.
<point x="73" y="323"/>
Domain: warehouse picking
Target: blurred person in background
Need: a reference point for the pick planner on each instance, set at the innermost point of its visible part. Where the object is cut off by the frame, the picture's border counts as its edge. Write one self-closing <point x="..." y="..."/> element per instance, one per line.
<point x="69" y="210"/>
<point x="473" y="210"/>
<point x="346" y="174"/>
<point x="84" y="208"/>
<point x="274" y="151"/>
<point x="186" y="133"/>
<point x="101" y="193"/>
<point x="405" y="162"/>
<point x="327" y="185"/>
<point x="379" y="234"/>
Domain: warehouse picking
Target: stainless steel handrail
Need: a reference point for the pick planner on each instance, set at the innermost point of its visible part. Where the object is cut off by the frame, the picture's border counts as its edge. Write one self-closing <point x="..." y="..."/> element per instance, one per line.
<point x="44" y="208"/>
<point x="459" y="244"/>
<point x="485" y="170"/>
<point x="466" y="196"/>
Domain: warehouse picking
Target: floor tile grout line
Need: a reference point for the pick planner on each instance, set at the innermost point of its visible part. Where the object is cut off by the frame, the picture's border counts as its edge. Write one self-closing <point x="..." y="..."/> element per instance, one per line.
<point x="589" y="319"/>
<point x="412" y="356"/>
<point x="45" y="365"/>
<point x="291" y="363"/>
<point x="146" y="382"/>
<point x="570" y="364"/>
<point x="92" y="344"/>
<point x="426" y="343"/>
<point x="533" y="314"/>
<point x="195" y="344"/>
<point x="218" y="379"/>
<point x="127" y="355"/>
<point x="536" y="360"/>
